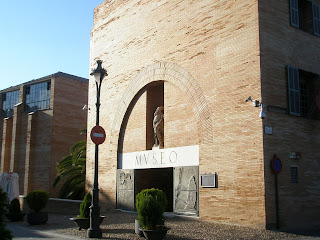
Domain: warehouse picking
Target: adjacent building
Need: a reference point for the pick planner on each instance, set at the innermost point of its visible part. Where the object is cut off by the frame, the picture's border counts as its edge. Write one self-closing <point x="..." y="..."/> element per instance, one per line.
<point x="200" y="61"/>
<point x="40" y="121"/>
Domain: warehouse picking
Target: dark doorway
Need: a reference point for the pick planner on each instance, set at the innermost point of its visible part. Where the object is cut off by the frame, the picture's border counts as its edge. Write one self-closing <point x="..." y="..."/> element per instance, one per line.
<point x="161" y="178"/>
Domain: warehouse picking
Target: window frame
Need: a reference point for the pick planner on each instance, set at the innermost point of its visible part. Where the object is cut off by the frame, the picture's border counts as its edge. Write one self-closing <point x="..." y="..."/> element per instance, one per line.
<point x="302" y="90"/>
<point x="9" y="100"/>
<point x="38" y="96"/>
<point x="296" y="16"/>
<point x="316" y="19"/>
<point x="294" y="13"/>
<point x="293" y="90"/>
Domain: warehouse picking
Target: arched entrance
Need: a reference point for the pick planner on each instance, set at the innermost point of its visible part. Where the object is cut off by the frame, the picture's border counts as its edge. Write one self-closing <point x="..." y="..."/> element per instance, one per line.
<point x="178" y="179"/>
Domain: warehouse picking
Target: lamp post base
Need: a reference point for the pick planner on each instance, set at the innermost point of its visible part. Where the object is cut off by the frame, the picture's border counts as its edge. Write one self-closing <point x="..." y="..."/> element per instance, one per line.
<point x="94" y="233"/>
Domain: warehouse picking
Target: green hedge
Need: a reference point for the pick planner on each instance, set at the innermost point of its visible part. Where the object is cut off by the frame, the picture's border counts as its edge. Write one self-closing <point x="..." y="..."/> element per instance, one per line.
<point x="37" y="200"/>
<point x="151" y="204"/>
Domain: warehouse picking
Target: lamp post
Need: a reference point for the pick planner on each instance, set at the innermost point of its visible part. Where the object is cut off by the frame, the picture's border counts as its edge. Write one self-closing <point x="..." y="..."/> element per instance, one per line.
<point x="95" y="231"/>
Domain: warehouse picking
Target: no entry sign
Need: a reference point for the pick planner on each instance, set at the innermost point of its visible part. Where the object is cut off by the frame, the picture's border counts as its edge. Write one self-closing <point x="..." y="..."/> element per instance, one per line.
<point x="276" y="165"/>
<point x="98" y="135"/>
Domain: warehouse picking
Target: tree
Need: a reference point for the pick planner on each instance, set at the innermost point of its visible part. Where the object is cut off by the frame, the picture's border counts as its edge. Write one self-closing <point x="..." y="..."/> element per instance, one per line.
<point x="72" y="170"/>
<point x="4" y="232"/>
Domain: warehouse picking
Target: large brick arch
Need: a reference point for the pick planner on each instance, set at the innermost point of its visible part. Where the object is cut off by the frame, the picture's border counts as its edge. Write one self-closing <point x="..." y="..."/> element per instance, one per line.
<point x="176" y="75"/>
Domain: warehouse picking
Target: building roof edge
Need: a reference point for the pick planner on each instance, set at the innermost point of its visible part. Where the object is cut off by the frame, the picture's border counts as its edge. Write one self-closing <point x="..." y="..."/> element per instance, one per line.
<point x="54" y="75"/>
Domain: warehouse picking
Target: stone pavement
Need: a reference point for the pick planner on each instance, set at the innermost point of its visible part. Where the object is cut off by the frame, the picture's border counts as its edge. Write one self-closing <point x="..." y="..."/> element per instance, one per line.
<point x="25" y="233"/>
<point x="120" y="225"/>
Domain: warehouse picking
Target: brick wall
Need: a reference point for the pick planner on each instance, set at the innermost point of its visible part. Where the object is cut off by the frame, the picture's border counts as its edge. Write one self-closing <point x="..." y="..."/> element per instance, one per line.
<point x="134" y="138"/>
<point x="207" y="53"/>
<point x="41" y="157"/>
<point x="282" y="45"/>
<point x="180" y="122"/>
<point x="33" y="144"/>
<point x="68" y="120"/>
<point x="18" y="146"/>
<point x="6" y="144"/>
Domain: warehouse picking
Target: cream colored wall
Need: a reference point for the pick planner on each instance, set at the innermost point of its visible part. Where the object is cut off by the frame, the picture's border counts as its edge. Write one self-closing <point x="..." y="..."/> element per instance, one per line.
<point x="134" y="138"/>
<point x="180" y="127"/>
<point x="209" y="52"/>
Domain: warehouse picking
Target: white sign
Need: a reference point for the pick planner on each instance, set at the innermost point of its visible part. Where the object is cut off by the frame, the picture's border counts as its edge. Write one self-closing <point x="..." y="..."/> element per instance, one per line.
<point x="98" y="135"/>
<point x="161" y="158"/>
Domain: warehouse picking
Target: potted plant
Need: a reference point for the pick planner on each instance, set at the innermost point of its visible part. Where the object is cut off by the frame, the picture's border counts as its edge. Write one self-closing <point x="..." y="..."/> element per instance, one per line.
<point x="15" y="214"/>
<point x="37" y="200"/>
<point x="151" y="204"/>
<point x="83" y="220"/>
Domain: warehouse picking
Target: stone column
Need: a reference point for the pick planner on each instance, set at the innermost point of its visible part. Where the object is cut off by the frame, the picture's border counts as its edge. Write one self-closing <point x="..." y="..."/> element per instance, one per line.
<point x="14" y="161"/>
<point x="6" y="144"/>
<point x="28" y="159"/>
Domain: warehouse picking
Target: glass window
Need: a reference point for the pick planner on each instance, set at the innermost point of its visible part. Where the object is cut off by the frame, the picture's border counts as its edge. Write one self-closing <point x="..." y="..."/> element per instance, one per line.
<point x="303" y="93"/>
<point x="9" y="99"/>
<point x="38" y="96"/>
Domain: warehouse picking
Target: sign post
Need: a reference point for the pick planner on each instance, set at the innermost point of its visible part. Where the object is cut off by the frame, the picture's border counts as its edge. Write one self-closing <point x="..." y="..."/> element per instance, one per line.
<point x="276" y="166"/>
<point x="98" y="136"/>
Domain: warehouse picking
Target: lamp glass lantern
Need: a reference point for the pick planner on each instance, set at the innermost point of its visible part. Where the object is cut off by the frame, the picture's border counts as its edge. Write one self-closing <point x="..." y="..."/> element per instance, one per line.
<point x="99" y="72"/>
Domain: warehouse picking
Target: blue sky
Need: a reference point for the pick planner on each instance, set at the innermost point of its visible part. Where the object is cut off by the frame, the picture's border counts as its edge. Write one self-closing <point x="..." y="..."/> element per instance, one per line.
<point x="41" y="37"/>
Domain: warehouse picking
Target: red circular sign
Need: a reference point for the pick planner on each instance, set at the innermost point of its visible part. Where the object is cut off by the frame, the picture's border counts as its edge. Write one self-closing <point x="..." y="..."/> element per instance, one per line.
<point x="276" y="165"/>
<point x="98" y="135"/>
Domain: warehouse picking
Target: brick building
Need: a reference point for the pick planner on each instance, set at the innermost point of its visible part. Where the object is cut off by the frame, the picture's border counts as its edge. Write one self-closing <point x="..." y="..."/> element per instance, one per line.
<point x="200" y="61"/>
<point x="40" y="121"/>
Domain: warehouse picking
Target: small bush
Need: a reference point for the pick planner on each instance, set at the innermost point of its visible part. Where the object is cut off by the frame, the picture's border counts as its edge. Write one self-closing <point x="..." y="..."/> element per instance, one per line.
<point x="14" y="206"/>
<point x="151" y="204"/>
<point x="85" y="206"/>
<point x="150" y="213"/>
<point x="156" y="193"/>
<point x="37" y="200"/>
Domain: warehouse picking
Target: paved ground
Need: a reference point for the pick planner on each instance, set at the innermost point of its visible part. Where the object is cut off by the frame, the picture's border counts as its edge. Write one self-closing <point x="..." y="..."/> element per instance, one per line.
<point x="120" y="225"/>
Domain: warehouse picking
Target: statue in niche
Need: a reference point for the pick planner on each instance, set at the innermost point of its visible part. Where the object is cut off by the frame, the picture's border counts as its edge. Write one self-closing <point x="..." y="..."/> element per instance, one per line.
<point x="158" y="127"/>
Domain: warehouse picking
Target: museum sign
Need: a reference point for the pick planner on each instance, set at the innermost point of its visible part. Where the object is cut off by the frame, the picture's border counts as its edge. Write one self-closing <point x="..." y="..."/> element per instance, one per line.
<point x="161" y="158"/>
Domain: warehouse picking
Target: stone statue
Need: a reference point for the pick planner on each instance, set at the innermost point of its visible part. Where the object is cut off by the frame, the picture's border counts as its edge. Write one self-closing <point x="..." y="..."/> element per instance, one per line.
<point x="158" y="127"/>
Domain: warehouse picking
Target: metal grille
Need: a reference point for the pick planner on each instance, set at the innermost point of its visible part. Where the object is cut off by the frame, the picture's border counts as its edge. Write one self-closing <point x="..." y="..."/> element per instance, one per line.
<point x="304" y="95"/>
<point x="294" y="174"/>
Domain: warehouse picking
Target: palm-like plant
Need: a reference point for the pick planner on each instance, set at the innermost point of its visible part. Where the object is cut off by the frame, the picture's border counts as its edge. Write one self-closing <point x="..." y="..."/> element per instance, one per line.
<point x="72" y="169"/>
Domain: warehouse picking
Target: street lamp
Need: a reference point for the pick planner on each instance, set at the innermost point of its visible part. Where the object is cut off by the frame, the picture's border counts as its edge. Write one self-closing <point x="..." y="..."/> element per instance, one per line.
<point x="95" y="231"/>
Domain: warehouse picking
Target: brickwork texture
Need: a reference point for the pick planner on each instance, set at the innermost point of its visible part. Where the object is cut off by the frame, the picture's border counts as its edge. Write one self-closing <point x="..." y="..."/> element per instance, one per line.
<point x="211" y="56"/>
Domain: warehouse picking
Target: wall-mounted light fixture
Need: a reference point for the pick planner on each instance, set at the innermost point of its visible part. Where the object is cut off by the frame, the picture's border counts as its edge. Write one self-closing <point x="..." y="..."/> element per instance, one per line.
<point x="256" y="103"/>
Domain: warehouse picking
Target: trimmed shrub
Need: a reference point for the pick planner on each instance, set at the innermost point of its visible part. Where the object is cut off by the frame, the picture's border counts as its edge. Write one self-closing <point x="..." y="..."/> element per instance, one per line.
<point x="151" y="204"/>
<point x="85" y="206"/>
<point x="156" y="193"/>
<point x="150" y="213"/>
<point x="37" y="200"/>
<point x="14" y="206"/>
